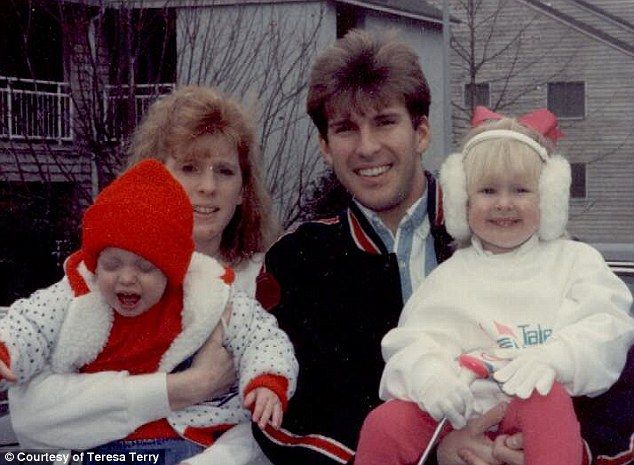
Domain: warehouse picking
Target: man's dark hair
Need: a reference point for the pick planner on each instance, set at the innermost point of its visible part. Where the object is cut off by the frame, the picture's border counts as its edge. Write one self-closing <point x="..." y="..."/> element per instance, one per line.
<point x="361" y="71"/>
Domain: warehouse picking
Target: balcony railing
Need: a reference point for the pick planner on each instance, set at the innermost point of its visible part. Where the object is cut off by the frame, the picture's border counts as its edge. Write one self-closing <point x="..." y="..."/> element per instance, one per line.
<point x="116" y="103"/>
<point x="35" y="110"/>
<point x="31" y="109"/>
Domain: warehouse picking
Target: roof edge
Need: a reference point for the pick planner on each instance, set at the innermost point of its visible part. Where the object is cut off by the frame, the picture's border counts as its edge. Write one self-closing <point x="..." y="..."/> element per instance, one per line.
<point x="582" y="27"/>
<point x="598" y="11"/>
<point x="396" y="11"/>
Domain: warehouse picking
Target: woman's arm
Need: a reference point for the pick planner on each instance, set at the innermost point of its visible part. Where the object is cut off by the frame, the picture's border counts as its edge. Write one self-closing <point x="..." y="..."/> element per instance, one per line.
<point x="212" y="372"/>
<point x="87" y="410"/>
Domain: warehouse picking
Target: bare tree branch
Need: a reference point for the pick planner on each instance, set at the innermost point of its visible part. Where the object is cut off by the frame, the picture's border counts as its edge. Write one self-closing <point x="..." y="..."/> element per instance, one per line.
<point x="113" y="50"/>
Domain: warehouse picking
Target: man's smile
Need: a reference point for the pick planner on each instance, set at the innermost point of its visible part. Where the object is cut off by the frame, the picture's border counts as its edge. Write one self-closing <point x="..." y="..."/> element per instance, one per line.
<point x="373" y="171"/>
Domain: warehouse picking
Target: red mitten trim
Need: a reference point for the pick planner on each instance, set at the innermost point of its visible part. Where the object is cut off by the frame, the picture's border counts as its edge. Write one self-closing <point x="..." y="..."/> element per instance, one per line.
<point x="229" y="277"/>
<point x="276" y="383"/>
<point x="77" y="283"/>
<point x="4" y="355"/>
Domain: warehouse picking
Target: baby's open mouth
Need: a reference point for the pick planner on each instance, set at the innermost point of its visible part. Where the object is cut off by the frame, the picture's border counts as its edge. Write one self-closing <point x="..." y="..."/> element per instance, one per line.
<point x="128" y="300"/>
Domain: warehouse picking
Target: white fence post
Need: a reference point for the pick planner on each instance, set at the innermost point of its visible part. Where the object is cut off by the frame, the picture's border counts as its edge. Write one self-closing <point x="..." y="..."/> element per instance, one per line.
<point x="9" y="109"/>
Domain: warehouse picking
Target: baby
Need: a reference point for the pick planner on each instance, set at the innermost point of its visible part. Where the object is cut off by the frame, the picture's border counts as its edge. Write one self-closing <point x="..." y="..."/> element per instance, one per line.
<point x="141" y="300"/>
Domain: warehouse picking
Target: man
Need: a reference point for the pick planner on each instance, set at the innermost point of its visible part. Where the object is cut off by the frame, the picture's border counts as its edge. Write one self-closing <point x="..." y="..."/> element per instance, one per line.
<point x="342" y="282"/>
<point x="337" y="286"/>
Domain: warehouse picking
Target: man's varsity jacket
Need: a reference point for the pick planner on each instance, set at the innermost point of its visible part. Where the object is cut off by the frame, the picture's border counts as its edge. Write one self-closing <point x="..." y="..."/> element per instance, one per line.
<point x="336" y="291"/>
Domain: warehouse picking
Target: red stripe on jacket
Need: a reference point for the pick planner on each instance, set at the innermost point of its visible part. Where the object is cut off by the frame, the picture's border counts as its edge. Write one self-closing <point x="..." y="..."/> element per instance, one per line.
<point x="322" y="444"/>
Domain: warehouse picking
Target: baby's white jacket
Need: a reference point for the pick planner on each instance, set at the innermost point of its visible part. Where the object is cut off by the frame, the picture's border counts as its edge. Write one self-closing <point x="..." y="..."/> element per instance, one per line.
<point x="75" y="338"/>
<point x="560" y="294"/>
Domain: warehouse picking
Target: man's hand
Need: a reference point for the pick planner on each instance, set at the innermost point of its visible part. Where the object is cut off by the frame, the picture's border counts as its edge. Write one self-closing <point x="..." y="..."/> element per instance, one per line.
<point x="470" y="446"/>
<point x="506" y="450"/>
<point x="509" y="449"/>
<point x="267" y="407"/>
<point x="6" y="373"/>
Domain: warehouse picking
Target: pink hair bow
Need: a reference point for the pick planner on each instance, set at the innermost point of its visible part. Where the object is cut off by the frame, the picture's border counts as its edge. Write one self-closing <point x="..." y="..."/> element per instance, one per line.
<point x="541" y="120"/>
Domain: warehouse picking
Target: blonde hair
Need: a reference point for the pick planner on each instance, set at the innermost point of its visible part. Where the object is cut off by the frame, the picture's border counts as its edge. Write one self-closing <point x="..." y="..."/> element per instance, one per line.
<point x="181" y="125"/>
<point x="492" y="158"/>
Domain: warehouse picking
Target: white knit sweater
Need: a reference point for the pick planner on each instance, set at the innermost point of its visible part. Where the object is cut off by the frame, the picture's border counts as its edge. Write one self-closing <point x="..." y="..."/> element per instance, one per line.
<point x="540" y="293"/>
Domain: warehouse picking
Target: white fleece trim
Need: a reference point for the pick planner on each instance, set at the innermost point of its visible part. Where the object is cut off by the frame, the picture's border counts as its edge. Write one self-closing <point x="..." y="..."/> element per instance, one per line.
<point x="84" y="333"/>
<point x="454" y="199"/>
<point x="554" y="194"/>
<point x="89" y="319"/>
<point x="88" y="276"/>
<point x="205" y="297"/>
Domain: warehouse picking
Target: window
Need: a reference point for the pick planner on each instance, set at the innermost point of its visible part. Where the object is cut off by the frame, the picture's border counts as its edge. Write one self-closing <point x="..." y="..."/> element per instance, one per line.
<point x="30" y="41"/>
<point x="578" y="186"/>
<point x="145" y="37"/>
<point x="38" y="232"/>
<point x="348" y="17"/>
<point x="476" y="94"/>
<point x="141" y="44"/>
<point x="567" y="99"/>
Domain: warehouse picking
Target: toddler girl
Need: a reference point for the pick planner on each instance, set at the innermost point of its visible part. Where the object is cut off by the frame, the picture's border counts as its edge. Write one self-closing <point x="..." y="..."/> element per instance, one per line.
<point x="519" y="291"/>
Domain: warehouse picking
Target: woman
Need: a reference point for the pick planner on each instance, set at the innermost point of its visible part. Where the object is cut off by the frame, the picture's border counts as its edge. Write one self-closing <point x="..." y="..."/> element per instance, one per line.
<point x="208" y="143"/>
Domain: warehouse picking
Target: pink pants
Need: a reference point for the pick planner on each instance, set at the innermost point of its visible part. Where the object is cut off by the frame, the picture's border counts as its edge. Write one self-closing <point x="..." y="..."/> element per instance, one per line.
<point x="397" y="432"/>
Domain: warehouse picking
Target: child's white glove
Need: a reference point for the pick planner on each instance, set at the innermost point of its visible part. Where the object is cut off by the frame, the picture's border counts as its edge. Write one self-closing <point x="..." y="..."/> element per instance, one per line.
<point x="449" y="397"/>
<point x="533" y="368"/>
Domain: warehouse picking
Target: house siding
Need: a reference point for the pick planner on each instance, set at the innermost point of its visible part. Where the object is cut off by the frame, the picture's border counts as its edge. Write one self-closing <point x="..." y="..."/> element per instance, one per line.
<point x="52" y="165"/>
<point x="619" y="8"/>
<point x="604" y="138"/>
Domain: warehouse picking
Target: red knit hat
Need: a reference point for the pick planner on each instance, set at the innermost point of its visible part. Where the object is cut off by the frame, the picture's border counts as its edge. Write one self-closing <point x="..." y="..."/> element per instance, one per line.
<point x="144" y="211"/>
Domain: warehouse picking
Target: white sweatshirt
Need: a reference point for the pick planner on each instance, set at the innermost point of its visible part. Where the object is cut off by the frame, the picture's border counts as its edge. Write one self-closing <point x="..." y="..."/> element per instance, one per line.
<point x="561" y="292"/>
